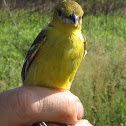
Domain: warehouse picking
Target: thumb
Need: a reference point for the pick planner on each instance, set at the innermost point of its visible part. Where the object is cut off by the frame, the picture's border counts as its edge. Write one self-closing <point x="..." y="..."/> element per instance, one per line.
<point x="52" y="105"/>
<point x="30" y="105"/>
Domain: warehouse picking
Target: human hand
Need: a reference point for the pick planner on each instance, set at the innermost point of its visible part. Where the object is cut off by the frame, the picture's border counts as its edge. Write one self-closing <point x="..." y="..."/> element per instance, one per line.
<point x="27" y="105"/>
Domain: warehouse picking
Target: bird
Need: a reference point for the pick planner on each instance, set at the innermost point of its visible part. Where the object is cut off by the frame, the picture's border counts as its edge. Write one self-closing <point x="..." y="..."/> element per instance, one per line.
<point x="55" y="55"/>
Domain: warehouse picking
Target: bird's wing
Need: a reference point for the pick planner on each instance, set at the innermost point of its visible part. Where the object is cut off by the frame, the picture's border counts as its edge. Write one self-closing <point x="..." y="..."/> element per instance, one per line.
<point x="39" y="41"/>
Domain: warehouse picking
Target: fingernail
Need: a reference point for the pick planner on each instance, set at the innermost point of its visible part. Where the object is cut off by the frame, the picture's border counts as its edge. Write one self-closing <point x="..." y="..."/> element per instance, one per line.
<point x="80" y="111"/>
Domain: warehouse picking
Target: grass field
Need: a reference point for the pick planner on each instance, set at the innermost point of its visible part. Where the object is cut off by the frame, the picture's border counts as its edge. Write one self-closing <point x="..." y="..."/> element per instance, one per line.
<point x="100" y="82"/>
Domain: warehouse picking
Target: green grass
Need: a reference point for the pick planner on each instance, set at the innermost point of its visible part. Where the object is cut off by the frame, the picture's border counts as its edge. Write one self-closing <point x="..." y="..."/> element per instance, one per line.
<point x="100" y="82"/>
<point x="15" y="43"/>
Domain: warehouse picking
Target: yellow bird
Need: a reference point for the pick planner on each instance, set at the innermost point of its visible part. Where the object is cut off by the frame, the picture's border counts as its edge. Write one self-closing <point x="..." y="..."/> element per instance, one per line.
<point x="55" y="55"/>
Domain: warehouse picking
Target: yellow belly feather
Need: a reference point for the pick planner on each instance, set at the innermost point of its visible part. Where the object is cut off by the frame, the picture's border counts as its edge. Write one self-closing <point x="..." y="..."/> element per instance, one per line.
<point x="57" y="60"/>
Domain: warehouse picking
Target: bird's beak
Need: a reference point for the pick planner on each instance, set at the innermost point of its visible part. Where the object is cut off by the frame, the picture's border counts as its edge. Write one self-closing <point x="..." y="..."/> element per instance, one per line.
<point x="72" y="19"/>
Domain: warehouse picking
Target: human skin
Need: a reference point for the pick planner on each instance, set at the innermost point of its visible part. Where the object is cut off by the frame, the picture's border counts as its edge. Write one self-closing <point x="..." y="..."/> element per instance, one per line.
<point x="25" y="105"/>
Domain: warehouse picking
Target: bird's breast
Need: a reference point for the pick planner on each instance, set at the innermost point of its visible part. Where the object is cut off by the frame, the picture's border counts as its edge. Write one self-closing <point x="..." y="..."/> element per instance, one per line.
<point x="57" y="60"/>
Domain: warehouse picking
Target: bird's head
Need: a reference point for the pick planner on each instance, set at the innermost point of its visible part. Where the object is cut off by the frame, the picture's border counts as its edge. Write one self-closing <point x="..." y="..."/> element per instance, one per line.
<point x="68" y="14"/>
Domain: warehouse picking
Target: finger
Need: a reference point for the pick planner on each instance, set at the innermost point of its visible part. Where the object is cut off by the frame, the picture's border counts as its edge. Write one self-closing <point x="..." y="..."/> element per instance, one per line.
<point x="52" y="105"/>
<point x="28" y="105"/>
<point x="83" y="122"/>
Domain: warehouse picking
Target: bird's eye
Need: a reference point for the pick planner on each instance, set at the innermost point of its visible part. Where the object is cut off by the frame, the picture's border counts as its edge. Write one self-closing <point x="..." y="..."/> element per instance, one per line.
<point x="59" y="12"/>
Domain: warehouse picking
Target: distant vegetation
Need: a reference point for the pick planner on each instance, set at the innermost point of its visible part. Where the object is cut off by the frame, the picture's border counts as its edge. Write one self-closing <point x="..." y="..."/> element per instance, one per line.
<point x="100" y="82"/>
<point x="94" y="7"/>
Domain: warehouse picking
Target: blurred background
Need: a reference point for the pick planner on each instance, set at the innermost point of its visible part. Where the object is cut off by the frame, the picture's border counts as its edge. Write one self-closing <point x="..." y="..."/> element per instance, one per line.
<point x="100" y="82"/>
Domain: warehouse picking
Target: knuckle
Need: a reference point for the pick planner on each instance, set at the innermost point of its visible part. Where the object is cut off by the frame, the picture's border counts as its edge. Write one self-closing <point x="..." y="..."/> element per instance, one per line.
<point x="27" y="105"/>
<point x="69" y="113"/>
